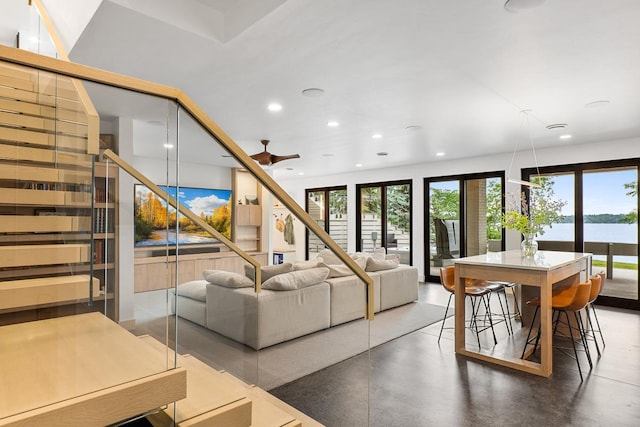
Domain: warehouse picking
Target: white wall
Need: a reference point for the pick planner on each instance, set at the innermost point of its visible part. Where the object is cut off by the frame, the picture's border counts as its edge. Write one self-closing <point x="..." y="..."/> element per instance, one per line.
<point x="569" y="154"/>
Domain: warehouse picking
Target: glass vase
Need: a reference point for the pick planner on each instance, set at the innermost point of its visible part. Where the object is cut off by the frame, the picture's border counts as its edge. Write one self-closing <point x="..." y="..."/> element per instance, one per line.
<point x="529" y="245"/>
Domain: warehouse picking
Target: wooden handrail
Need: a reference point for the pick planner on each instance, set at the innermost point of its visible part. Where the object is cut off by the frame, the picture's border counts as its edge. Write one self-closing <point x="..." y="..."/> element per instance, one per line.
<point x="93" y="119"/>
<point x="95" y="75"/>
<point x="186" y="212"/>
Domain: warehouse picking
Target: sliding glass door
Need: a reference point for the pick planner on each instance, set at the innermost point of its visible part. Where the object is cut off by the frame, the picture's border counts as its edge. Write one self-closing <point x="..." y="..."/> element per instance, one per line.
<point x="601" y="217"/>
<point x="384" y="218"/>
<point x="463" y="218"/>
<point x="328" y="207"/>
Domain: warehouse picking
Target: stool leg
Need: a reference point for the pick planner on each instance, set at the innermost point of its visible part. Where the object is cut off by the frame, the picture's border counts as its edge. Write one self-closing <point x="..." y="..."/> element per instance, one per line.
<point x="487" y="305"/>
<point x="524" y="350"/>
<point x="595" y="314"/>
<point x="583" y="337"/>
<point x="574" y="345"/>
<point x="590" y="328"/>
<point x="444" y="319"/>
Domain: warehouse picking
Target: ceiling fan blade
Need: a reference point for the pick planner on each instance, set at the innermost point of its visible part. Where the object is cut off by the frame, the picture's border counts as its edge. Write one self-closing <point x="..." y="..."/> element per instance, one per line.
<point x="276" y="159"/>
<point x="263" y="158"/>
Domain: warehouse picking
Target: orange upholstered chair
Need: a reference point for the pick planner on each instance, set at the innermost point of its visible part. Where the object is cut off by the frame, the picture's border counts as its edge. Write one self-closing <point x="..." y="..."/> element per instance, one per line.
<point x="569" y="300"/>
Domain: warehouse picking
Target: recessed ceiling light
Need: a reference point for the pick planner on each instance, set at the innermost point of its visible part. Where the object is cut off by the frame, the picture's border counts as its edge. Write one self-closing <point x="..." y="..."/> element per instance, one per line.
<point x="226" y="156"/>
<point x="439" y="154"/>
<point x="412" y="128"/>
<point x="376" y="136"/>
<point x="289" y="169"/>
<point x="596" y="104"/>
<point x="567" y="136"/>
<point x="274" y="107"/>
<point x="518" y="5"/>
<point x="168" y="145"/>
<point x="358" y="165"/>
<point x="333" y="124"/>
<point x="300" y="173"/>
<point x="327" y="155"/>
<point x="382" y="153"/>
<point x="313" y="92"/>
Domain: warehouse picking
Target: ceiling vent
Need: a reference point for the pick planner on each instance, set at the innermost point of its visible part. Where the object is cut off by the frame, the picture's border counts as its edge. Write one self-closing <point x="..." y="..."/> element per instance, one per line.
<point x="557" y="126"/>
<point x="516" y="6"/>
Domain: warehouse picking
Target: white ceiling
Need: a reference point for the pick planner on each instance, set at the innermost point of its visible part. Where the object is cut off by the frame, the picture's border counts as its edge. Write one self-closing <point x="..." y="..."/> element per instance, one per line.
<point x="461" y="70"/>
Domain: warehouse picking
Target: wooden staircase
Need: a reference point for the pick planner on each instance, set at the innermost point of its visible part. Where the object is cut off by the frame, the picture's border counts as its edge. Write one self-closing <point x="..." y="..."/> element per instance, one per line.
<point x="217" y="398"/>
<point x="47" y="139"/>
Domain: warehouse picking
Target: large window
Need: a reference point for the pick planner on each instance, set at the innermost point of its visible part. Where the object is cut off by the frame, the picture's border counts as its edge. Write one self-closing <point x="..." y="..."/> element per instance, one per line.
<point x="463" y="218"/>
<point x="328" y="207"/>
<point x="384" y="218"/>
<point x="601" y="217"/>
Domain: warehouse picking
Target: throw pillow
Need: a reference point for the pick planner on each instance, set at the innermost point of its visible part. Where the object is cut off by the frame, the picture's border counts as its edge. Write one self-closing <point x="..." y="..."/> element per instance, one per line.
<point x="379" y="265"/>
<point x="329" y="257"/>
<point x="227" y="279"/>
<point x="342" y="270"/>
<point x="267" y="271"/>
<point x="297" y="279"/>
<point x="305" y="265"/>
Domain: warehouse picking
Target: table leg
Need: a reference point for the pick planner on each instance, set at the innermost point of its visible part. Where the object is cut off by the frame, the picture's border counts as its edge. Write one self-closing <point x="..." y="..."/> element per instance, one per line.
<point x="460" y="344"/>
<point x="546" y="338"/>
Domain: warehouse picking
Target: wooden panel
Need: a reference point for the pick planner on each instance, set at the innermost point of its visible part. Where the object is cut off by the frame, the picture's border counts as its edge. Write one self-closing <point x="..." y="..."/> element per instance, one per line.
<point x="27" y="108"/>
<point x="14" y="152"/>
<point x="44" y="174"/>
<point x="154" y="273"/>
<point x="42" y="124"/>
<point x="248" y="215"/>
<point x="18" y="72"/>
<point x="26" y="255"/>
<point x="19" y="196"/>
<point x="70" y="371"/>
<point x="41" y="224"/>
<point x="30" y="292"/>
<point x="17" y="83"/>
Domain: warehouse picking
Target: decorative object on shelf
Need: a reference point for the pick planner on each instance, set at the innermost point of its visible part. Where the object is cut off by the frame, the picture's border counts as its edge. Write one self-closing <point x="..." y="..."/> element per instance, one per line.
<point x="267" y="159"/>
<point x="531" y="217"/>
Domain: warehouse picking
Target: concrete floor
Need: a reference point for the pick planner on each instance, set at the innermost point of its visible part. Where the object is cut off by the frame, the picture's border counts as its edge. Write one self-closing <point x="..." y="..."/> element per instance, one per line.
<point x="414" y="381"/>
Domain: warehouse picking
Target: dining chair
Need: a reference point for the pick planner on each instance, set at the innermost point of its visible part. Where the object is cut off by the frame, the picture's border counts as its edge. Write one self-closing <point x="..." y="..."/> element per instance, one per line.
<point x="569" y="300"/>
<point x="478" y="291"/>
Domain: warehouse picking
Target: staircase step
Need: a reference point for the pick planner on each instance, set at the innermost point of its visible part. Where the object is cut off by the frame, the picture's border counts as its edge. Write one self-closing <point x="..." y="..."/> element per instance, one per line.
<point x="31" y="292"/>
<point x="265" y="409"/>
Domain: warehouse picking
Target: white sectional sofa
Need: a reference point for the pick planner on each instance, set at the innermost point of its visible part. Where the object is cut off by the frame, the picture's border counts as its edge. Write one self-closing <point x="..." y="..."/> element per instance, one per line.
<point x="274" y="316"/>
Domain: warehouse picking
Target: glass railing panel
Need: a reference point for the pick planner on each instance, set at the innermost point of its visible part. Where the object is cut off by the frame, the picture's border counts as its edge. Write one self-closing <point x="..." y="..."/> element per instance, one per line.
<point x="60" y="266"/>
<point x="34" y="35"/>
<point x="313" y="313"/>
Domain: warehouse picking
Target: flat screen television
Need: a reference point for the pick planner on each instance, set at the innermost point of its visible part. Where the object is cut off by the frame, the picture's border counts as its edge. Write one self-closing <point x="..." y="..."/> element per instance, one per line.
<point x="155" y="225"/>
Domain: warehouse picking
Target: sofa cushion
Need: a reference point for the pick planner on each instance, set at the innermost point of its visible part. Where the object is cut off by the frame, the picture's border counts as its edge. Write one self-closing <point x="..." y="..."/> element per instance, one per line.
<point x="196" y="289"/>
<point x="329" y="258"/>
<point x="227" y="279"/>
<point x="296" y="279"/>
<point x="342" y="270"/>
<point x="306" y="265"/>
<point x="267" y="271"/>
<point x="385" y="264"/>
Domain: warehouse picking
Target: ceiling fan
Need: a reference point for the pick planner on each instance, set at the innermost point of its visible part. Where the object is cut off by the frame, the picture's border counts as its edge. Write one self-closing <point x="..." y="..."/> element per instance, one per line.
<point x="265" y="158"/>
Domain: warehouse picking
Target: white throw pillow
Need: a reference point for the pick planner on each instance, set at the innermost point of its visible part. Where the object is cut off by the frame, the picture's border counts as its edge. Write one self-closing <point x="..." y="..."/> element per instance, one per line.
<point x="329" y="257"/>
<point x="296" y="279"/>
<point x="227" y="279"/>
<point x="306" y="265"/>
<point x="342" y="270"/>
<point x="379" y="265"/>
<point x="267" y="271"/>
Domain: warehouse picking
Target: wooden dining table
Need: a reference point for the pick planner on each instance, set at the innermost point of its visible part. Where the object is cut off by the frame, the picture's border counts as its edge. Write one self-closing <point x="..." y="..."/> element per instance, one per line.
<point x="544" y="270"/>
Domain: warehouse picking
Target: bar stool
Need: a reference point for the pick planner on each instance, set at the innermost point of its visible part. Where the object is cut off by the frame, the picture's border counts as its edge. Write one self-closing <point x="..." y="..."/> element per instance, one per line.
<point x="476" y="290"/>
<point x="597" y="284"/>
<point x="572" y="299"/>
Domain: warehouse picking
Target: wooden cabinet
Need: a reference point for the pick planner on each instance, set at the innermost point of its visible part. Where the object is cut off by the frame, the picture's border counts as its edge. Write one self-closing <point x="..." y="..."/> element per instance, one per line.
<point x="153" y="273"/>
<point x="247" y="213"/>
